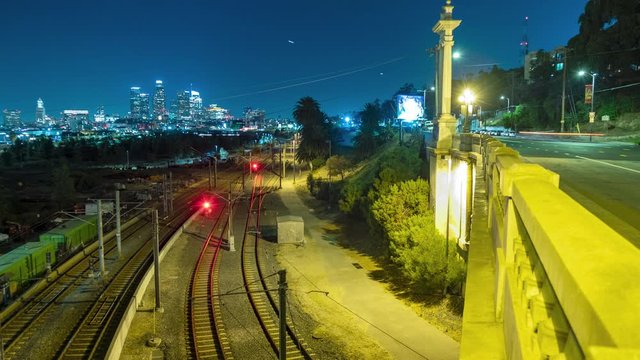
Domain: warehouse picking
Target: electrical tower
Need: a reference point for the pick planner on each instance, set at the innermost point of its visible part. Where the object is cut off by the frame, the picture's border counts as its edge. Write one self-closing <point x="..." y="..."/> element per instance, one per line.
<point x="524" y="44"/>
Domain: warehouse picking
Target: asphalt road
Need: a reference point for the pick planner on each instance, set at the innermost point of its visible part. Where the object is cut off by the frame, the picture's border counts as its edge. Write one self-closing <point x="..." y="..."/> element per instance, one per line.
<point x="603" y="177"/>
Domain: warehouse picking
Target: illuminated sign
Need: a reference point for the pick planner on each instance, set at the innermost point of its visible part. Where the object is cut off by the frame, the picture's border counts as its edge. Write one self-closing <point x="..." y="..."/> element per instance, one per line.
<point x="410" y="107"/>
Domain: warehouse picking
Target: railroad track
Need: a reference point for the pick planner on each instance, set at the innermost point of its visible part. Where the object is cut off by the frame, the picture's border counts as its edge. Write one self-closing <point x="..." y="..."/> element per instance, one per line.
<point x="91" y="337"/>
<point x="23" y="325"/>
<point x="260" y="295"/>
<point x="18" y="329"/>
<point x="208" y="337"/>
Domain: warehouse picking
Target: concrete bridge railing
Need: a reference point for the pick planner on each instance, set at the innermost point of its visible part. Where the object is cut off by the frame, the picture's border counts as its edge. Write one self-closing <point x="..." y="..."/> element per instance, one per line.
<point x="558" y="282"/>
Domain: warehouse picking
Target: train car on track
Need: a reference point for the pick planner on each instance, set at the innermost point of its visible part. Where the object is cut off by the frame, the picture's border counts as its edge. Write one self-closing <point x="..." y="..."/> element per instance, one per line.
<point x="25" y="264"/>
<point x="72" y="234"/>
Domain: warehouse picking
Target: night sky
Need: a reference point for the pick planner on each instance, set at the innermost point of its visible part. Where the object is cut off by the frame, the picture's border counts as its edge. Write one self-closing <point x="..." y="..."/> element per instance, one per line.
<point x="83" y="53"/>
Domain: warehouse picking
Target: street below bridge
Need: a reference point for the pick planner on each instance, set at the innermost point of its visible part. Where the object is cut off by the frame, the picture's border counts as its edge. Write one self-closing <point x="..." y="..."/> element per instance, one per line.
<point x="603" y="177"/>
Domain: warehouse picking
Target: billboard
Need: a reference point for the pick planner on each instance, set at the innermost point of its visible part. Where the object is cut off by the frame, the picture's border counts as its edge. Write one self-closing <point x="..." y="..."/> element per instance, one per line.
<point x="410" y="107"/>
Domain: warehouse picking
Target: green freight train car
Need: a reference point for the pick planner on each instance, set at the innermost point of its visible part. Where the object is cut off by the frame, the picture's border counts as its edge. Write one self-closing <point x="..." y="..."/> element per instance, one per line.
<point x="25" y="264"/>
<point x="72" y="234"/>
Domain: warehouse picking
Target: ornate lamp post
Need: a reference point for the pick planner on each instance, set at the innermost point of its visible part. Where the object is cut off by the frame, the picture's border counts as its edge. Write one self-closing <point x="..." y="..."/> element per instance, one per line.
<point x="446" y="122"/>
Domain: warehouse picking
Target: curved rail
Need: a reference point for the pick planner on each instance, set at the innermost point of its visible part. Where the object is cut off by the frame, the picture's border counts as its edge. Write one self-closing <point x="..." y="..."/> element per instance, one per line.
<point x="208" y="338"/>
<point x="257" y="290"/>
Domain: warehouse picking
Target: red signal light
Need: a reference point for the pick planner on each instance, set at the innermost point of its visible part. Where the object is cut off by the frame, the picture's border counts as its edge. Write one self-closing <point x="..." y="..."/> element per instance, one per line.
<point x="254" y="167"/>
<point x="206" y="205"/>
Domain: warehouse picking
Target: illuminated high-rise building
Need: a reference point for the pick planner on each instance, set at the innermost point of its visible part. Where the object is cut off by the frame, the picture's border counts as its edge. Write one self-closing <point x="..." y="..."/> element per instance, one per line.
<point x="40" y="112"/>
<point x="159" y="102"/>
<point x="144" y="106"/>
<point x="183" y="105"/>
<point x="135" y="106"/>
<point x="99" y="116"/>
<point x="139" y="104"/>
<point x="195" y="105"/>
<point x="11" y="119"/>
<point x="76" y="120"/>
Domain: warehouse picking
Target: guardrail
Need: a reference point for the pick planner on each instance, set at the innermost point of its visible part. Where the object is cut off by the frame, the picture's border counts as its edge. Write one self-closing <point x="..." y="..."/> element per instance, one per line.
<point x="564" y="284"/>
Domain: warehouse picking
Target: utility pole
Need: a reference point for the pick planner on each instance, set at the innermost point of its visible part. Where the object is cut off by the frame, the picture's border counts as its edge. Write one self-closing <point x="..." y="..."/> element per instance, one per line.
<point x="232" y="240"/>
<point x="156" y="257"/>
<point x="100" y="239"/>
<point x="293" y="152"/>
<point x="243" y="178"/>
<point x="564" y="87"/>
<point x="164" y="195"/>
<point x="171" y="192"/>
<point x="215" y="172"/>
<point x="209" y="173"/>
<point x="118" y="225"/>
<point x="281" y="168"/>
<point x="282" y="294"/>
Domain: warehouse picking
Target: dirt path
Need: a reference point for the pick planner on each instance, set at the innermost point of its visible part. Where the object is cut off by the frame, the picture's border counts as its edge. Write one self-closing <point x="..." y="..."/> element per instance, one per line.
<point x="335" y="287"/>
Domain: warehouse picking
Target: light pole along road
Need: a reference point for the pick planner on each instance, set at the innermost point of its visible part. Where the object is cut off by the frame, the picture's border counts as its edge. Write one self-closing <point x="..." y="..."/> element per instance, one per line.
<point x="602" y="177"/>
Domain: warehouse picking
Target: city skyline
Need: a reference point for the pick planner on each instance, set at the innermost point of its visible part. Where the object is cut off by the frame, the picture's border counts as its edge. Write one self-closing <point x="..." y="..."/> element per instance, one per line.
<point x="336" y="58"/>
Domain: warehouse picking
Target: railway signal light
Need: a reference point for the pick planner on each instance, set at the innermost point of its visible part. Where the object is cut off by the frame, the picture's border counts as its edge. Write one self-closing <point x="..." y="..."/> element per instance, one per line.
<point x="206" y="205"/>
<point x="254" y="166"/>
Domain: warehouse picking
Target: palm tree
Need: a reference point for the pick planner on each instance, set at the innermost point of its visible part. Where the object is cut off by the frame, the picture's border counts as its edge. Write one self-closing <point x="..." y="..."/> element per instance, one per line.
<point x="315" y="130"/>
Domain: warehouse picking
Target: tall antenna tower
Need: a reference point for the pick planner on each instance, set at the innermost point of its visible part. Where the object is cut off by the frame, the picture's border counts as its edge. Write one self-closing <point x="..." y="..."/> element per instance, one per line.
<point x="524" y="44"/>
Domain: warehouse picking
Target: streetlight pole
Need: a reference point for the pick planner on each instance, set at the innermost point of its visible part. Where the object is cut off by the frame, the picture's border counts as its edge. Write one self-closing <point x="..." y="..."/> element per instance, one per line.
<point x="508" y="102"/>
<point x="593" y="89"/>
<point x="467" y="98"/>
<point x="564" y="89"/>
<point x="593" y="86"/>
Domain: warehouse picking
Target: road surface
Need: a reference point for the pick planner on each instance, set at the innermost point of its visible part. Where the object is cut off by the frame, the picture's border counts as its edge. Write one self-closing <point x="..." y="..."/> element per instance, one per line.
<point x="603" y="177"/>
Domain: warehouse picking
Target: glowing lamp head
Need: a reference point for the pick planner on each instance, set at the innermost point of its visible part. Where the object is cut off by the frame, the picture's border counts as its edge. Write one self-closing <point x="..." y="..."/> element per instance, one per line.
<point x="254" y="166"/>
<point x="206" y="205"/>
<point x="581" y="73"/>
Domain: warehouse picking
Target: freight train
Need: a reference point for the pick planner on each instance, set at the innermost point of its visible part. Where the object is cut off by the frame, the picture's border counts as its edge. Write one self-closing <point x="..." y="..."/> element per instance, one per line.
<point x="23" y="265"/>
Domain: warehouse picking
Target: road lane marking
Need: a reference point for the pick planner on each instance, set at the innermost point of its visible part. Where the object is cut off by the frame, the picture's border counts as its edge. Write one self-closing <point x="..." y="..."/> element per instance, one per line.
<point x="567" y="154"/>
<point x="623" y="155"/>
<point x="601" y="152"/>
<point x="606" y="163"/>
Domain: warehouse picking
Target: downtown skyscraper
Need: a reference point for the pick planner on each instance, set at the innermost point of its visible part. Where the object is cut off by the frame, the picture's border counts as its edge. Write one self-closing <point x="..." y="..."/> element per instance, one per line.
<point x="40" y="112"/>
<point x="138" y="104"/>
<point x="159" y="102"/>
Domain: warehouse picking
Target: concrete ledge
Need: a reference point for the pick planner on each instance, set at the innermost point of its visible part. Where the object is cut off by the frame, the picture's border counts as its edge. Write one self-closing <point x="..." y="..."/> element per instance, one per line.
<point x="593" y="270"/>
<point x="515" y="170"/>
<point x="604" y="353"/>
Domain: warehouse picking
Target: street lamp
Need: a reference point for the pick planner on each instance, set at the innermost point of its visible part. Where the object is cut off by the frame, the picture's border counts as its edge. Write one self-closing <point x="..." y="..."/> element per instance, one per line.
<point x="593" y="85"/>
<point x="508" y="102"/>
<point x="467" y="98"/>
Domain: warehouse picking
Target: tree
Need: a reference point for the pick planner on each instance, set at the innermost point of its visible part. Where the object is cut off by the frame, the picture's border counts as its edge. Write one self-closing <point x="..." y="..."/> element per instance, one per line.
<point x="609" y="38"/>
<point x="63" y="192"/>
<point x="7" y="158"/>
<point x="338" y="166"/>
<point x="404" y="215"/>
<point x="315" y="130"/>
<point x="367" y="139"/>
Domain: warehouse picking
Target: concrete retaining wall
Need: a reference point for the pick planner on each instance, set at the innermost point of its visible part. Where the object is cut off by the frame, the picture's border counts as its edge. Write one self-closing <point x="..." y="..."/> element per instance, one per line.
<point x="565" y="284"/>
<point x="117" y="343"/>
